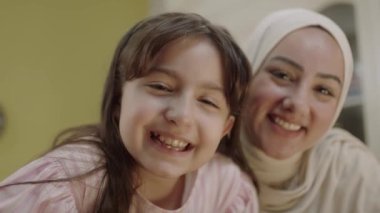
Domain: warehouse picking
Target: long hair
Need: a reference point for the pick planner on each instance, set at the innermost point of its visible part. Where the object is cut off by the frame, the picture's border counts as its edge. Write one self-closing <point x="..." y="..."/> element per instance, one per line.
<point x="133" y="58"/>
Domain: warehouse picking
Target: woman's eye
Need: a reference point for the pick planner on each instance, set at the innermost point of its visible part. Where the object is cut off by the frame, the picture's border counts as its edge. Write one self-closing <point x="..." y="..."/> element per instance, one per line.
<point x="281" y="75"/>
<point x="325" y="91"/>
<point x="210" y="103"/>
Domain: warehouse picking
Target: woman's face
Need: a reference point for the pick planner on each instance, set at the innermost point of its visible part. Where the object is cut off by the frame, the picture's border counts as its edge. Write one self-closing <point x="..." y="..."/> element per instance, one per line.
<point x="293" y="97"/>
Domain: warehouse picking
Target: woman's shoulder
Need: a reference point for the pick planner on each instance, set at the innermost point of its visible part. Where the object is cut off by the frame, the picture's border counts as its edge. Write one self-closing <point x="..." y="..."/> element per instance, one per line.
<point x="345" y="153"/>
<point x="355" y="169"/>
<point x="346" y="145"/>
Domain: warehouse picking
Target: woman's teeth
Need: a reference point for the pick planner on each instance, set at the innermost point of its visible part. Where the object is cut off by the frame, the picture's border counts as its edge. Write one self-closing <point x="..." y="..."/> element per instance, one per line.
<point x="287" y="125"/>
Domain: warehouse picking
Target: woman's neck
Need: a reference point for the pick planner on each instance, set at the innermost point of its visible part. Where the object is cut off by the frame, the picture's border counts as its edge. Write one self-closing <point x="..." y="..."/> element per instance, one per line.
<point x="270" y="171"/>
<point x="274" y="171"/>
<point x="162" y="191"/>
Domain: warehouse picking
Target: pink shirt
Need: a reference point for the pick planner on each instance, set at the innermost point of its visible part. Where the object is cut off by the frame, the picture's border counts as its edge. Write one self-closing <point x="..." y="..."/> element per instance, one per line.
<point x="218" y="186"/>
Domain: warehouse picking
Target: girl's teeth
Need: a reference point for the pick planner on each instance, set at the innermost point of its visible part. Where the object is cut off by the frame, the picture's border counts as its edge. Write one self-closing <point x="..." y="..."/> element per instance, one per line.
<point x="287" y="125"/>
<point x="173" y="143"/>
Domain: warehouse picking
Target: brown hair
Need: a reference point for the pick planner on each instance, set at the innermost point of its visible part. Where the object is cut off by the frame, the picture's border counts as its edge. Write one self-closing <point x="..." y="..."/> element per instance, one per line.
<point x="132" y="59"/>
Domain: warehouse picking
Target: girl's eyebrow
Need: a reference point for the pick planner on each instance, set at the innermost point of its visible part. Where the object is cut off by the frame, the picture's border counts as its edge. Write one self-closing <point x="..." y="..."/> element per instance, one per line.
<point x="206" y="85"/>
<point x="299" y="67"/>
<point x="165" y="71"/>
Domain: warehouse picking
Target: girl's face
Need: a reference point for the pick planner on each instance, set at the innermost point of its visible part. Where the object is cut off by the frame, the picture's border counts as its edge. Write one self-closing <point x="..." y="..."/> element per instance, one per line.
<point x="293" y="97"/>
<point x="172" y="119"/>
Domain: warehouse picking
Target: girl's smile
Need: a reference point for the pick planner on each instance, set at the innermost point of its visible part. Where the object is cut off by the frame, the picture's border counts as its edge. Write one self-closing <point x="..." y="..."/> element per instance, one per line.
<point x="173" y="118"/>
<point x="170" y="143"/>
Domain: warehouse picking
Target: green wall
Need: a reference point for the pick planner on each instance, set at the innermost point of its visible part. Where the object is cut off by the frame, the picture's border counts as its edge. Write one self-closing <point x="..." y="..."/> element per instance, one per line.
<point x="54" y="56"/>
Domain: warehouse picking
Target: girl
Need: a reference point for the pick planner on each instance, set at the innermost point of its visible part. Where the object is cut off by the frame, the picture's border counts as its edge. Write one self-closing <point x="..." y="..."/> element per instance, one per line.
<point x="303" y="67"/>
<point x="172" y="93"/>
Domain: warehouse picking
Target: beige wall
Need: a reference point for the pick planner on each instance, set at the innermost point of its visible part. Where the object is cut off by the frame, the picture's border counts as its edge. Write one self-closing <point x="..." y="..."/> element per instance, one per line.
<point x="54" y="56"/>
<point x="239" y="16"/>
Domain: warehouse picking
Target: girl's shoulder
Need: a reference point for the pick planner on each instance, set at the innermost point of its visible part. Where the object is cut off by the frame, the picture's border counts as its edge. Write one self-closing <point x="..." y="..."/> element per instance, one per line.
<point x="226" y="186"/>
<point x="53" y="186"/>
<point x="78" y="157"/>
<point x="63" y="162"/>
<point x="222" y="165"/>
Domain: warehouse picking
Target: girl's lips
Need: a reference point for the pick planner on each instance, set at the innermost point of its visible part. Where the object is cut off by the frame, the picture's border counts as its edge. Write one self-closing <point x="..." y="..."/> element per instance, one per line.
<point x="170" y="143"/>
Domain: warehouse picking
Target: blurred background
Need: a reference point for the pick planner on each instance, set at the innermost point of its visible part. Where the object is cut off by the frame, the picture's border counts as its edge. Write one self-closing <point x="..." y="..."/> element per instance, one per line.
<point x="54" y="56"/>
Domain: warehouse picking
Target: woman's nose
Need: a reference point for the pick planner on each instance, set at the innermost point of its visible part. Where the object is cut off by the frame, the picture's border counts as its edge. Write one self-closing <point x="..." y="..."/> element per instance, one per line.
<point x="297" y="103"/>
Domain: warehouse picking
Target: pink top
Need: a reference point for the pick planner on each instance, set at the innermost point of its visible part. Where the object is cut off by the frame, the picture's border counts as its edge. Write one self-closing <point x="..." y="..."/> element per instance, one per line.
<point x="218" y="186"/>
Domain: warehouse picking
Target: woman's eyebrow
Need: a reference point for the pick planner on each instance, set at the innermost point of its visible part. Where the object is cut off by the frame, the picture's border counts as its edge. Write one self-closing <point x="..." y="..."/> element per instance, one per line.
<point x="330" y="76"/>
<point x="299" y="67"/>
<point x="287" y="61"/>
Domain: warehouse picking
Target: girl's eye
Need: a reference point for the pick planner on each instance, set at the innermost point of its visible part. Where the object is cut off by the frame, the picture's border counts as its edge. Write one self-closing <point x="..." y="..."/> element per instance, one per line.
<point x="210" y="103"/>
<point x="160" y="87"/>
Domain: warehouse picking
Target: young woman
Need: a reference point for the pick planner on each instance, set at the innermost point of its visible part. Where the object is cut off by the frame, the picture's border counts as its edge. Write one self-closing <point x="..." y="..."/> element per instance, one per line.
<point x="302" y="68"/>
<point x="173" y="92"/>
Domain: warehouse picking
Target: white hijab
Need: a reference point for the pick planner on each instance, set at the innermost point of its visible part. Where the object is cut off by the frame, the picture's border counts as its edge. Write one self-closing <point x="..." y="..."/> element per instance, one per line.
<point x="273" y="28"/>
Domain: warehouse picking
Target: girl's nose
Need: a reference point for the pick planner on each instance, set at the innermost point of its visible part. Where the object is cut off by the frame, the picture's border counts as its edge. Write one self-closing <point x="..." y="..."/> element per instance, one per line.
<point x="179" y="111"/>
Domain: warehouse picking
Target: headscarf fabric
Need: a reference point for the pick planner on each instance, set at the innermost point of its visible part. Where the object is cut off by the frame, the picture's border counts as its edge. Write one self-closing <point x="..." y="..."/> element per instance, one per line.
<point x="273" y="28"/>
